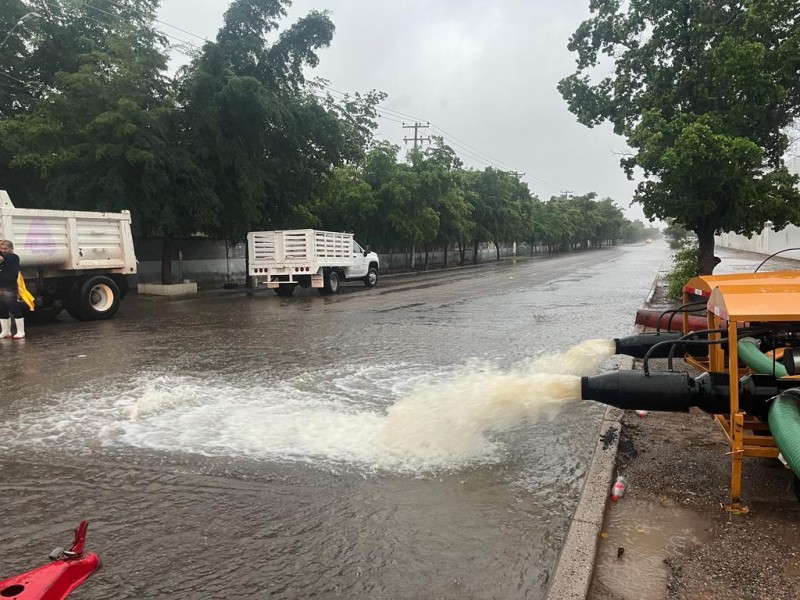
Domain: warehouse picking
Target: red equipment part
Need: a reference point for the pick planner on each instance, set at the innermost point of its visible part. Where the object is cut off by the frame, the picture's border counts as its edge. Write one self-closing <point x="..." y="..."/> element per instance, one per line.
<point x="57" y="580"/>
<point x="648" y="317"/>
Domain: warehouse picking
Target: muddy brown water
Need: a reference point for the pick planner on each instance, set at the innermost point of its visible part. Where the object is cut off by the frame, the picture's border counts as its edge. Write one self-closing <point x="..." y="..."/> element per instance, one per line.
<point x="234" y="445"/>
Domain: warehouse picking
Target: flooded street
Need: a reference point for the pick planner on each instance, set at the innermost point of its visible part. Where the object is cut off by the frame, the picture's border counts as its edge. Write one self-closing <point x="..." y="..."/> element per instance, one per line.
<point x="380" y="443"/>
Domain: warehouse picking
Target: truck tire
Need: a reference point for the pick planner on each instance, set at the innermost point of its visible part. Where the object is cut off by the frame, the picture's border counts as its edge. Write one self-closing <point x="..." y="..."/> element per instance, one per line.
<point x="42" y="314"/>
<point x="285" y="290"/>
<point x="372" y="277"/>
<point x="331" y="283"/>
<point x="94" y="299"/>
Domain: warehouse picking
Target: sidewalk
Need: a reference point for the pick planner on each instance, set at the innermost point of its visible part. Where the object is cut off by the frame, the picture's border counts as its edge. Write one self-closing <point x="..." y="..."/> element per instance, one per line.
<point x="679" y="542"/>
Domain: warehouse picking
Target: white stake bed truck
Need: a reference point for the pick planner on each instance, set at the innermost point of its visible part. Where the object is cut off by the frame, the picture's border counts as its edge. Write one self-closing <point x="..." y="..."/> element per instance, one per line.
<point x="81" y="261"/>
<point x="308" y="258"/>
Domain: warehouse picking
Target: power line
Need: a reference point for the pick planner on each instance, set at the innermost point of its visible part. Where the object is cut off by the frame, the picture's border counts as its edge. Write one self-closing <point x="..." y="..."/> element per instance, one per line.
<point x="383" y="112"/>
<point x="153" y="17"/>
<point x="461" y="147"/>
<point x="119" y="16"/>
<point x="12" y="78"/>
<point x="16" y="89"/>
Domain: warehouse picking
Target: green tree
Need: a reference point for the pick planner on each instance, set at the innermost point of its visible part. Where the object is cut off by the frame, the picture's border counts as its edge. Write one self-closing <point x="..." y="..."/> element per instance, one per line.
<point x="266" y="142"/>
<point x="411" y="217"/>
<point x="497" y="198"/>
<point x="442" y="186"/>
<point x="106" y="133"/>
<point x="676" y="234"/>
<point x="703" y="92"/>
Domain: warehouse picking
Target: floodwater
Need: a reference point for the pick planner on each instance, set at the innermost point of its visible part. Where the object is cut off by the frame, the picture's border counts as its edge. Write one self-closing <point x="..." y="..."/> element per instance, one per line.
<point x="648" y="533"/>
<point x="421" y="439"/>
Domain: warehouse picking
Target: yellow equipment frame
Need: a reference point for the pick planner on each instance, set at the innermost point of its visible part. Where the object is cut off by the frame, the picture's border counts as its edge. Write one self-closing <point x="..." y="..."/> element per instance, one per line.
<point x="735" y="301"/>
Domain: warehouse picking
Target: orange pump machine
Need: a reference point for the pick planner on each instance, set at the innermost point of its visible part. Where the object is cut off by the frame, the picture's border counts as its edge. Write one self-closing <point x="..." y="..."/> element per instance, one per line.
<point x="749" y="358"/>
<point x="766" y="307"/>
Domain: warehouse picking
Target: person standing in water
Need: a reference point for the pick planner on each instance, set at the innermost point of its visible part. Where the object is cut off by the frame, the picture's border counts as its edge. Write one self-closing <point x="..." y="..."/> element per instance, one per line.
<point x="9" y="292"/>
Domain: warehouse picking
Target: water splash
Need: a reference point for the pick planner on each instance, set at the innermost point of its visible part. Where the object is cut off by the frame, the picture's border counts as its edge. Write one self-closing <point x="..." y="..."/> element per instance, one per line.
<point x="388" y="417"/>
<point x="457" y="420"/>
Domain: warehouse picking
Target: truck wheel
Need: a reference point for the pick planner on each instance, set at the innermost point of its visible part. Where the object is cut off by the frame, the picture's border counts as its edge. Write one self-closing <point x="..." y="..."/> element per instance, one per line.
<point x="285" y="290"/>
<point x="94" y="299"/>
<point x="331" y="283"/>
<point x="48" y="313"/>
<point x="372" y="277"/>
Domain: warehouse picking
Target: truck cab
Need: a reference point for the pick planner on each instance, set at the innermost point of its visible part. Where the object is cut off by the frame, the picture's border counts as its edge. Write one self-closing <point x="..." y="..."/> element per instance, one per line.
<point x="362" y="259"/>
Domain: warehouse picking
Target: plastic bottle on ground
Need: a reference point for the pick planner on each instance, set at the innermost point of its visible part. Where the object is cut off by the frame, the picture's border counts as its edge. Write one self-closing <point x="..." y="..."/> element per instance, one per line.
<point x="619" y="488"/>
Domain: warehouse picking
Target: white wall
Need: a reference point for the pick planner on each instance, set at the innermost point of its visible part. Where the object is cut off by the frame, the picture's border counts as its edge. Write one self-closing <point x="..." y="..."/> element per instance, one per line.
<point x="767" y="242"/>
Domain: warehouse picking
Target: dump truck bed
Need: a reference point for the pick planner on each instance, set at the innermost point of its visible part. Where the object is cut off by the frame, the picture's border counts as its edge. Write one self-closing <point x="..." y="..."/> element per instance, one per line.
<point x="67" y="240"/>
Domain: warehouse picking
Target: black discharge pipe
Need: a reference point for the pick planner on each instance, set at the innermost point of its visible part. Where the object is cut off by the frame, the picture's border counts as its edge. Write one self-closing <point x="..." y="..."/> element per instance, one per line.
<point x="678" y="392"/>
<point x="638" y="346"/>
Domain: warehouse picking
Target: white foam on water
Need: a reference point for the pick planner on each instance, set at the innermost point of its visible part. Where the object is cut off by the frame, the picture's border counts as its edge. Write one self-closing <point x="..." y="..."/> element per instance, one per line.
<point x="386" y="417"/>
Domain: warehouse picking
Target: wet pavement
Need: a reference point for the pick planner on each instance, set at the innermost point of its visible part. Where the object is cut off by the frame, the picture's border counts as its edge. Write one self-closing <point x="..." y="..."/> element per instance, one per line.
<point x="229" y="445"/>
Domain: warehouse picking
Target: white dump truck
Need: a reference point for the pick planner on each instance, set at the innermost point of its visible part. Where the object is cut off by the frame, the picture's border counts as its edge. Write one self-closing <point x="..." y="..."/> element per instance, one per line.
<point x="78" y="260"/>
<point x="308" y="258"/>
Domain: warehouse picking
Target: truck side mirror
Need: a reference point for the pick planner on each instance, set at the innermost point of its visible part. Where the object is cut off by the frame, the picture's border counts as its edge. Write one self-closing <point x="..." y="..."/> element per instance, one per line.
<point x="366" y="250"/>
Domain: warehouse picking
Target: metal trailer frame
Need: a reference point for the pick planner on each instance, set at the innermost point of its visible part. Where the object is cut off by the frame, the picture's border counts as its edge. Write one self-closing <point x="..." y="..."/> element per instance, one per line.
<point x="734" y="301"/>
<point x="283" y="256"/>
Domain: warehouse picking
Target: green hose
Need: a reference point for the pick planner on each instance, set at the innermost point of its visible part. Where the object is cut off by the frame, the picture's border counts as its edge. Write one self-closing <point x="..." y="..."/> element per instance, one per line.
<point x="784" y="422"/>
<point x="757" y="360"/>
<point x="784" y="412"/>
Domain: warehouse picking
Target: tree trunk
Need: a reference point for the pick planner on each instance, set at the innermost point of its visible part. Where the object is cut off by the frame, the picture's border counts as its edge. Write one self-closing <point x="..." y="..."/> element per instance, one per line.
<point x="413" y="255"/>
<point x="497" y="249"/>
<point x="425" y="268"/>
<point x="249" y="282"/>
<point x="166" y="260"/>
<point x="462" y="250"/>
<point x="445" y="254"/>
<point x="475" y="253"/>
<point x="706" y="261"/>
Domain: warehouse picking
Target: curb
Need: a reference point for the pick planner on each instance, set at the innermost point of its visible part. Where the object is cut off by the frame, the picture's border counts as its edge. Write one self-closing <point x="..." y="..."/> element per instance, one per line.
<point x="575" y="566"/>
<point x="651" y="293"/>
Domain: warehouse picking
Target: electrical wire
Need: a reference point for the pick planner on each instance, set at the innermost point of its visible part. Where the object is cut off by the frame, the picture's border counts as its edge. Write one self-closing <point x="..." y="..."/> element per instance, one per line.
<point x="649" y="353"/>
<point x="389" y="114"/>
<point x="16" y="89"/>
<point x="13" y="78"/>
<point x="153" y="17"/>
<point x="120" y="17"/>
<point x="773" y="255"/>
<point x="674" y="311"/>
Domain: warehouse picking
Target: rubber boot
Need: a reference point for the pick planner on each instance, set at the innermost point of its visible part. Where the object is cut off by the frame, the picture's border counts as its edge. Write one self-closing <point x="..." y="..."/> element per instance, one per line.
<point x="5" y="328"/>
<point x="20" y="323"/>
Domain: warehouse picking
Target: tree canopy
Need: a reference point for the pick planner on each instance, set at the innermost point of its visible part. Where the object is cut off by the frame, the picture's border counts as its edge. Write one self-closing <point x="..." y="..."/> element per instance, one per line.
<point x="239" y="139"/>
<point x="703" y="93"/>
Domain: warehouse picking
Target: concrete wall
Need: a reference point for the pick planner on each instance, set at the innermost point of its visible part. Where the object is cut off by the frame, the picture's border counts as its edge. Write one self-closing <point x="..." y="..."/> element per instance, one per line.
<point x="212" y="263"/>
<point x="767" y="242"/>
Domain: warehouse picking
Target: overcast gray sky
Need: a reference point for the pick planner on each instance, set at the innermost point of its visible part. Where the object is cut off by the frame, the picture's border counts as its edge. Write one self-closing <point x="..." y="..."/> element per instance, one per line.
<point x="482" y="71"/>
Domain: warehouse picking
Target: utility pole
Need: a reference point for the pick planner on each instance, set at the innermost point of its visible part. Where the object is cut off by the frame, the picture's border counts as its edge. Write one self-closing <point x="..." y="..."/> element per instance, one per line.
<point x="417" y="139"/>
<point x="567" y="194"/>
